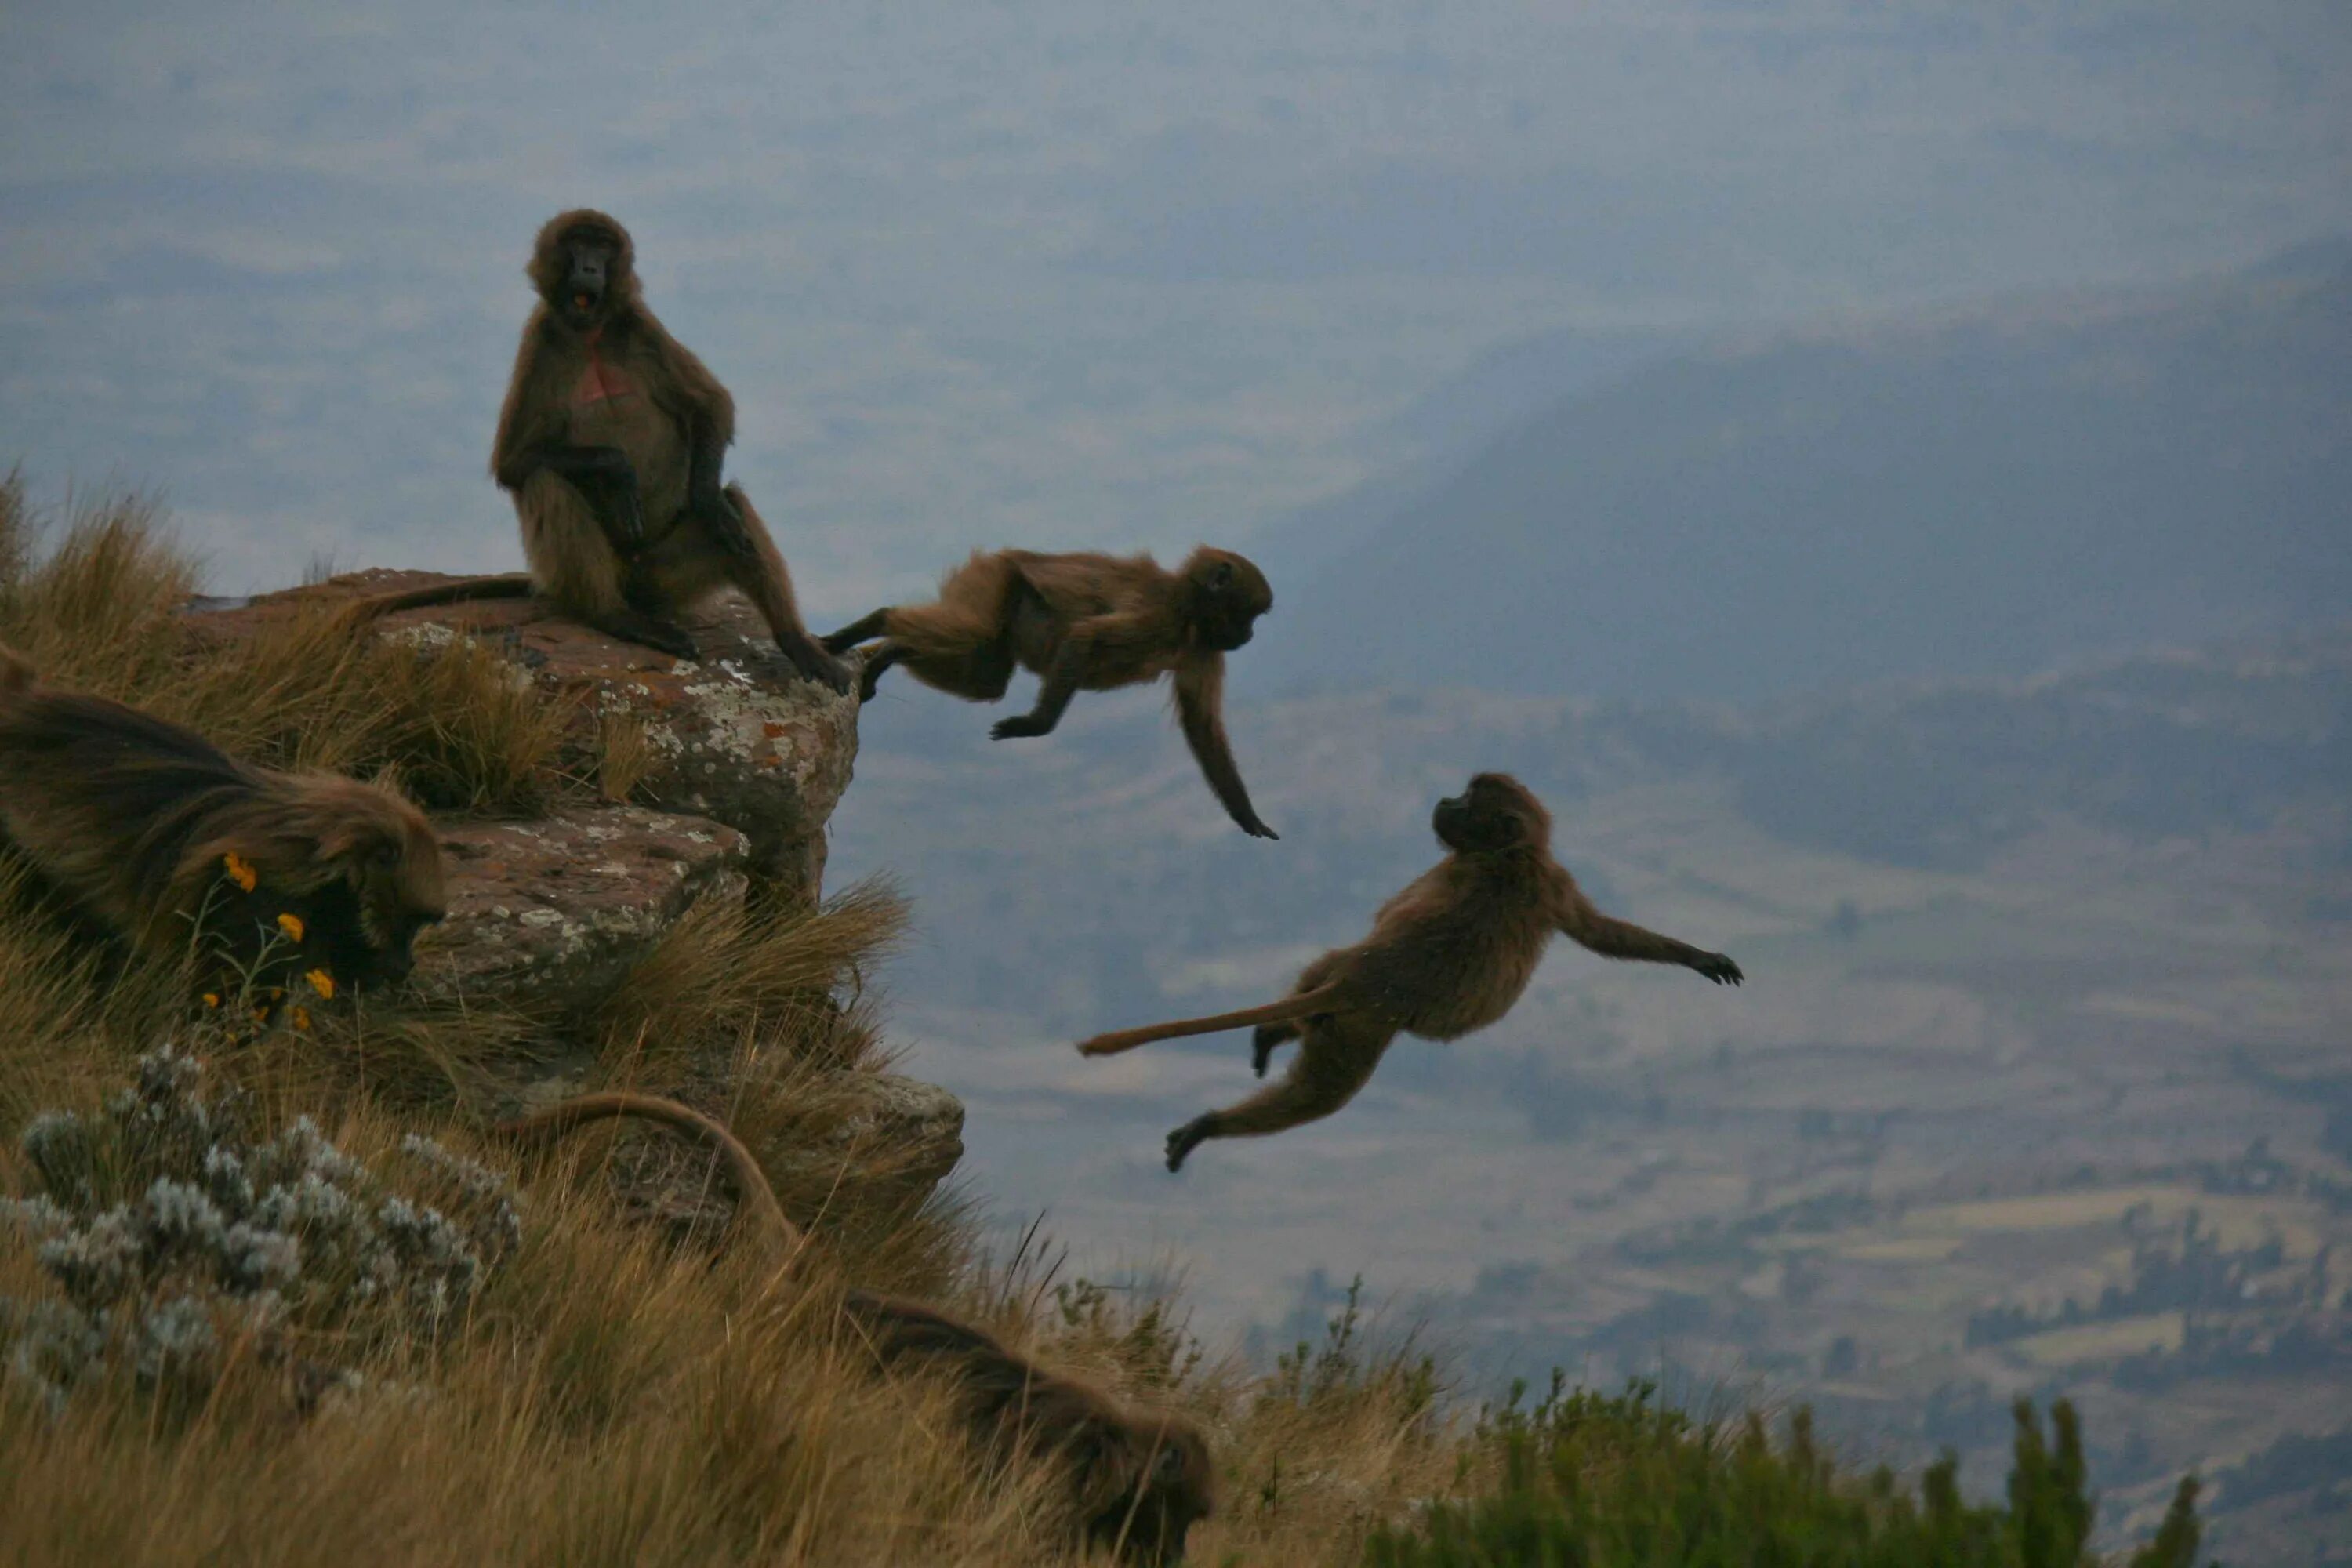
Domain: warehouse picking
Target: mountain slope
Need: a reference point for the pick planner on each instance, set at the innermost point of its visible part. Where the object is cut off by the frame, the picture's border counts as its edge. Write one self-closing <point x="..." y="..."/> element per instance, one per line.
<point x="1972" y="494"/>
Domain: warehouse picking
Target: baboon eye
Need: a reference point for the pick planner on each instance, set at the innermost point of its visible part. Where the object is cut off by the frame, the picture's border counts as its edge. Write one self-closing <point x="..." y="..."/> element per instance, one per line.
<point x="1172" y="1464"/>
<point x="1221" y="575"/>
<point x="384" y="857"/>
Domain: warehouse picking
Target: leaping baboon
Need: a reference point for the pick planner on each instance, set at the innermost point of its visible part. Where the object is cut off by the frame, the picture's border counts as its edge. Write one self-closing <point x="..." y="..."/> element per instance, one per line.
<point x="1083" y="623"/>
<point x="611" y="442"/>
<point x="1138" y="1478"/>
<point x="1448" y="955"/>
<point x="143" y="823"/>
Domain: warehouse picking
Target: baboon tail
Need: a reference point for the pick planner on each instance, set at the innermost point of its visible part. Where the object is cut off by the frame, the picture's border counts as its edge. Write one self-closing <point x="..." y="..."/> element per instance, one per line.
<point x="750" y="1182"/>
<point x="464" y="590"/>
<point x="17" y="672"/>
<point x="1303" y="1004"/>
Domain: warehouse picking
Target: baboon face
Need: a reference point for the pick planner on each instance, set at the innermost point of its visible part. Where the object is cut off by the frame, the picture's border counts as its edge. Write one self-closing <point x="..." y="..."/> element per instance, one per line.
<point x="1176" y="1489"/>
<point x="1229" y="593"/>
<point x="1496" y="812"/>
<point x="393" y="880"/>
<point x="581" y="267"/>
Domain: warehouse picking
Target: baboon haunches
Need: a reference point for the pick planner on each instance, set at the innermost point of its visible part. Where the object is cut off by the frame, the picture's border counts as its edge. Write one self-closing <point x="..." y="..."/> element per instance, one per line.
<point x="1448" y="955"/>
<point x="1084" y="623"/>
<point x="611" y="442"/>
<point x="135" y="819"/>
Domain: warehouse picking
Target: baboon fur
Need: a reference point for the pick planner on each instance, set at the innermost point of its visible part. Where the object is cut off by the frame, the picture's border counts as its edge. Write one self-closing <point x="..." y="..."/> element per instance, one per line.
<point x="1140" y="1478"/>
<point x="132" y="817"/>
<point x="1448" y="955"/>
<point x="1082" y="622"/>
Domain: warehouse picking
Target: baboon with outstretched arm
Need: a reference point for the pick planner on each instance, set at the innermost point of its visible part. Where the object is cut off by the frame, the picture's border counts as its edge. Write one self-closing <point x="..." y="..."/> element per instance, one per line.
<point x="141" y="822"/>
<point x="1082" y="623"/>
<point x="611" y="442"/>
<point x="1448" y="955"/>
<point x="1140" y="1478"/>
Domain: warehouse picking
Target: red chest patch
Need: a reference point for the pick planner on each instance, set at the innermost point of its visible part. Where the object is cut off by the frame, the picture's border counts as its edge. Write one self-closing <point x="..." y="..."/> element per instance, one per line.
<point x="600" y="380"/>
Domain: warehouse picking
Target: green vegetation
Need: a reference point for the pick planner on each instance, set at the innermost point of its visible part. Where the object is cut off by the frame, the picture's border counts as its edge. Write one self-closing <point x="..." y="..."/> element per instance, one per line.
<point x="1595" y="1481"/>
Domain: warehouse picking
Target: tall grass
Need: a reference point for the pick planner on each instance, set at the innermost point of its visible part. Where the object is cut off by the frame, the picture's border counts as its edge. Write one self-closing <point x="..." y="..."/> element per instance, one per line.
<point x="609" y="1396"/>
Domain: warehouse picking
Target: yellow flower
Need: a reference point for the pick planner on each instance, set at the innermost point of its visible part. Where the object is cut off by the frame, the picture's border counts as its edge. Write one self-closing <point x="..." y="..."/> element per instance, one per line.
<point x="212" y="998"/>
<point x="292" y="924"/>
<point x="239" y="871"/>
<point x="322" y="983"/>
<point x="301" y="1020"/>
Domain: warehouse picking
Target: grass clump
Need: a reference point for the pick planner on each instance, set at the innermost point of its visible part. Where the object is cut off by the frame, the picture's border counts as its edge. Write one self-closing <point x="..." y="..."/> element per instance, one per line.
<point x="102" y="608"/>
<point x="1592" y="1480"/>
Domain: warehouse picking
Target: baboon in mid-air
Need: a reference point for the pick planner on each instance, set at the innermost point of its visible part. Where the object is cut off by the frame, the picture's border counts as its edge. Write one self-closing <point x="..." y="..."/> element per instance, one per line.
<point x="155" y="831"/>
<point x="1140" y="1478"/>
<point x="1083" y="623"/>
<point x="1448" y="955"/>
<point x="611" y="443"/>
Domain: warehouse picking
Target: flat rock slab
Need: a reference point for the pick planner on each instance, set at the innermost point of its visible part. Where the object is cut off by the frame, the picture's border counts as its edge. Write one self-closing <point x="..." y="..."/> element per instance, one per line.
<point x="547" y="910"/>
<point x="736" y="735"/>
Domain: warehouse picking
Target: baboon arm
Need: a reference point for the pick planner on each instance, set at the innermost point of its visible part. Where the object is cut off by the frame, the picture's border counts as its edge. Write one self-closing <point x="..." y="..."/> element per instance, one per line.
<point x="1613" y="938"/>
<point x="1107" y="636"/>
<point x="1300" y="1005"/>
<point x="528" y="422"/>
<point x="1200" y="710"/>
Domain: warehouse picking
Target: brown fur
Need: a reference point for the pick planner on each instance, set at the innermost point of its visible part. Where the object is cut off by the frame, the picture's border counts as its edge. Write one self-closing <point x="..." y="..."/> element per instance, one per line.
<point x="628" y="547"/>
<point x="132" y="817"/>
<point x="1083" y="623"/>
<point x="1141" y="1479"/>
<point x="1448" y="955"/>
<point x="1138" y="1478"/>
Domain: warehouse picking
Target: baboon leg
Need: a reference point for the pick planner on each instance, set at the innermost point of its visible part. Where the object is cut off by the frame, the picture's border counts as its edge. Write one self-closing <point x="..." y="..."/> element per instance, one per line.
<point x="1336" y="1058"/>
<point x="863" y="629"/>
<point x="757" y="567"/>
<point x="574" y="566"/>
<point x="880" y="659"/>
<point x="1264" y="1040"/>
<point x="1268" y="1036"/>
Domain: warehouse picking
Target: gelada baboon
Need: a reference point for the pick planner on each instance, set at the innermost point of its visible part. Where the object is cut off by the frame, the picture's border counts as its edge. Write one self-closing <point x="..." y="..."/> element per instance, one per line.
<point x="1448" y="955"/>
<point x="1140" y="1479"/>
<point x="1082" y="623"/>
<point x="611" y="443"/>
<point x="136" y="819"/>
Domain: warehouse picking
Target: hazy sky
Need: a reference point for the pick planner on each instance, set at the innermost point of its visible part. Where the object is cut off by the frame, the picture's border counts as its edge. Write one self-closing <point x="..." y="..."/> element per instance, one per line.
<point x="1056" y="273"/>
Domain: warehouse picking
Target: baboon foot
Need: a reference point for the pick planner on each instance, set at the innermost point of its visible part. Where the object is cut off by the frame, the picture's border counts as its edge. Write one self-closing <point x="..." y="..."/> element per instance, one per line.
<point x="814" y="663"/>
<point x="1189" y="1137"/>
<point x="1262" y="1044"/>
<point x="1020" y="727"/>
<point x="647" y="631"/>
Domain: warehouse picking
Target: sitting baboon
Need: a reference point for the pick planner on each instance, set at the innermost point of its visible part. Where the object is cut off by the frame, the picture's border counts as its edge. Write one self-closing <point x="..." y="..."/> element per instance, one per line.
<point x="1083" y="623"/>
<point x="611" y="443"/>
<point x="159" y="835"/>
<point x="1448" y="955"/>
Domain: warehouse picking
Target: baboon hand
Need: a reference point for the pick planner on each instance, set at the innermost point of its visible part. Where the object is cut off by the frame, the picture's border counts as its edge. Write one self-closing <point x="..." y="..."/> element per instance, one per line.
<point x="1718" y="968"/>
<point x="1256" y="828"/>
<point x="1020" y="727"/>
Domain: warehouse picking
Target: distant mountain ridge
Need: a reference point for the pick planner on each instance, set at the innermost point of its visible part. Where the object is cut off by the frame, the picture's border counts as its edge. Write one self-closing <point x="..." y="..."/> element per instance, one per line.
<point x="1977" y="492"/>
